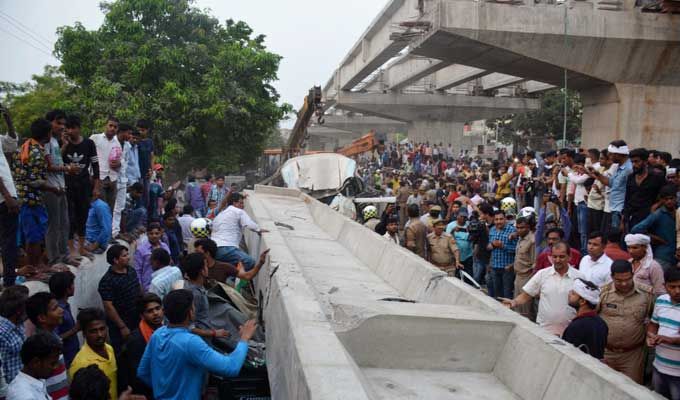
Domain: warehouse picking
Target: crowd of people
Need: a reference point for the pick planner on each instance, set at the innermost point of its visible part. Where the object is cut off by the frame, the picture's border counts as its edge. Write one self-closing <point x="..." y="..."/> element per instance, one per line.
<point x="64" y="198"/>
<point x="585" y="242"/>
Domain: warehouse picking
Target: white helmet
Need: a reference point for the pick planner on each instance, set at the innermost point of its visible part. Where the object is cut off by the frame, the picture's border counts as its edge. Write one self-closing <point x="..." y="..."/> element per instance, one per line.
<point x="370" y="212"/>
<point x="201" y="228"/>
<point x="509" y="205"/>
<point x="527" y="212"/>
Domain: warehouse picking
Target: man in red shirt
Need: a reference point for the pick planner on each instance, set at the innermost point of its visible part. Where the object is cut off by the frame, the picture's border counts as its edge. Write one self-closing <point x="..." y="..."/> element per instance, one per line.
<point x="613" y="248"/>
<point x="543" y="260"/>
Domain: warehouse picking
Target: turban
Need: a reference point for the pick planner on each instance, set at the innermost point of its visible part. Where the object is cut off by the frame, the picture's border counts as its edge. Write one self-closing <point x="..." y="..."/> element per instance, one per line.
<point x="637" y="239"/>
<point x="589" y="294"/>
<point x="618" y="150"/>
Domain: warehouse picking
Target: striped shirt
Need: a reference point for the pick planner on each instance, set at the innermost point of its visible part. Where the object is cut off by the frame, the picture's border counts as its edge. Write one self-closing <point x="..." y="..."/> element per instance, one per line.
<point x="667" y="316"/>
<point x="57" y="382"/>
<point x="162" y="280"/>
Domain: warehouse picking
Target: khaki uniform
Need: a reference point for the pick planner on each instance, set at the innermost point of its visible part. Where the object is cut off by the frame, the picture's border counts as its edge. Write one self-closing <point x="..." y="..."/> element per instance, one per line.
<point x="402" y="196"/>
<point x="442" y="251"/>
<point x="525" y="261"/>
<point x="626" y="317"/>
<point x="415" y="237"/>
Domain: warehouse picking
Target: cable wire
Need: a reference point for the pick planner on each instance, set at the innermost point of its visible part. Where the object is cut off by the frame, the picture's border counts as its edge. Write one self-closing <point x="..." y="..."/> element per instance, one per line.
<point x="25" y="41"/>
<point x="21" y="26"/>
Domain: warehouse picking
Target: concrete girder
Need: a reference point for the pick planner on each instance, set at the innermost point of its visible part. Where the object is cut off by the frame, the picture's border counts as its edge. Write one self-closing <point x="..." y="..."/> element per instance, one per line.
<point x="456" y="75"/>
<point x="497" y="81"/>
<point x="362" y="124"/>
<point x="410" y="70"/>
<point x="419" y="107"/>
<point x="527" y="41"/>
<point x="536" y="87"/>
<point x="376" y="46"/>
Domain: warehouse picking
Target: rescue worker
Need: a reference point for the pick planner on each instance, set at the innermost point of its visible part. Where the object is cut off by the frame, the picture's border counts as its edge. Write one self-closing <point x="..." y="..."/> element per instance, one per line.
<point x="371" y="219"/>
<point x="443" y="251"/>
<point x="625" y="305"/>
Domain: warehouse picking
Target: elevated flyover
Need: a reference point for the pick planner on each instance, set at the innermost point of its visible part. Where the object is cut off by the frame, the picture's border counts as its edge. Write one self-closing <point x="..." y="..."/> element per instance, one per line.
<point x="349" y="315"/>
<point x="625" y="63"/>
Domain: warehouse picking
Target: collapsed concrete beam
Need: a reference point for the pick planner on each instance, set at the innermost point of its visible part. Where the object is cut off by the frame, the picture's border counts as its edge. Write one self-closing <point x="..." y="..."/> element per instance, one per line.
<point x="419" y="107"/>
<point x="536" y="87"/>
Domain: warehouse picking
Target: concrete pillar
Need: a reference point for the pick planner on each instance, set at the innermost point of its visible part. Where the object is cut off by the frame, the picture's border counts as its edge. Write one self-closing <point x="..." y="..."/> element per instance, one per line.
<point x="436" y="131"/>
<point x="642" y="115"/>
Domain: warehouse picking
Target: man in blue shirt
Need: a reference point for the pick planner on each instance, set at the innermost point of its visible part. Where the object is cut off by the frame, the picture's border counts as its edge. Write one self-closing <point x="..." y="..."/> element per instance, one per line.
<point x="502" y="244"/>
<point x="616" y="183"/>
<point x="175" y="360"/>
<point x="660" y="226"/>
<point x="458" y="229"/>
<point x="98" y="226"/>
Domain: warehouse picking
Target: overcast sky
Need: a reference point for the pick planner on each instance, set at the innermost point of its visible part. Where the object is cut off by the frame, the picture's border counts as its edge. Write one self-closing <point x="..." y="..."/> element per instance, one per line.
<point x="312" y="35"/>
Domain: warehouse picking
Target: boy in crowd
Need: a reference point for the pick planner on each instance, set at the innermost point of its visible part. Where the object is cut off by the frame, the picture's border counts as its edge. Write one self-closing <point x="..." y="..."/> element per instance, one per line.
<point x="98" y="227"/>
<point x="150" y="309"/>
<point x="40" y="356"/>
<point x="95" y="350"/>
<point x="30" y="167"/>
<point x="44" y="312"/>
<point x="142" y="261"/>
<point x="12" y="335"/>
<point x="62" y="287"/>
<point x="80" y="186"/>
<point x="664" y="337"/>
<point x="164" y="275"/>
<point x="119" y="289"/>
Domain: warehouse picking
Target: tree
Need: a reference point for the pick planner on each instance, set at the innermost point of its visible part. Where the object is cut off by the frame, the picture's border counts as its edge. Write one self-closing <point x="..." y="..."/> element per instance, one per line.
<point x="205" y="86"/>
<point x="29" y="101"/>
<point x="545" y="122"/>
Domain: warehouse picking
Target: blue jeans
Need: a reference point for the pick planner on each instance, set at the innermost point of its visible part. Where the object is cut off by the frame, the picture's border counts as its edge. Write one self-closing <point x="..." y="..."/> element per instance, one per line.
<point x="582" y="218"/>
<point x="616" y="221"/>
<point x="134" y="218"/>
<point x="666" y="385"/>
<point x="503" y="282"/>
<point x="478" y="270"/>
<point x="233" y="255"/>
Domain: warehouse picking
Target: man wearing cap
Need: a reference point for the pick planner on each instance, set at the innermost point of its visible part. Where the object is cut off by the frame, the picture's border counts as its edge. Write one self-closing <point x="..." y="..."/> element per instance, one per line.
<point x="625" y="306"/>
<point x="645" y="269"/>
<point x="432" y="214"/>
<point x="587" y="330"/>
<point x="443" y="249"/>
<point x="616" y="183"/>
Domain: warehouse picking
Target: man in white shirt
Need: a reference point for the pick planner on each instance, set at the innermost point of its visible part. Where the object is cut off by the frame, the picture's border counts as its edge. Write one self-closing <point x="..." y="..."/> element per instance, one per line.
<point x="9" y="207"/>
<point x="227" y="231"/>
<point x="578" y="177"/>
<point x="124" y="133"/>
<point x="109" y="153"/>
<point x="40" y="356"/>
<point x="596" y="266"/>
<point x="553" y="285"/>
<point x="185" y="221"/>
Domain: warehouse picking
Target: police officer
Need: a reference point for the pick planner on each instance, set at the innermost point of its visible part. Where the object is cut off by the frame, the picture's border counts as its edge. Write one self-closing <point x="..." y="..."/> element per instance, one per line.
<point x="443" y="251"/>
<point x="626" y="306"/>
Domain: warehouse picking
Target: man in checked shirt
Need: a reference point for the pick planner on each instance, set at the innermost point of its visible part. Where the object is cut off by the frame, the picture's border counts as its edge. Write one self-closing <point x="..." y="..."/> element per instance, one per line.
<point x="502" y="247"/>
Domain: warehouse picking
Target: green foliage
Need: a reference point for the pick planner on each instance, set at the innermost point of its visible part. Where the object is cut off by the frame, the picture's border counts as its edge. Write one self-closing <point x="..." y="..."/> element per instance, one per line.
<point x="206" y="86"/>
<point x="548" y="121"/>
<point x="29" y="101"/>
